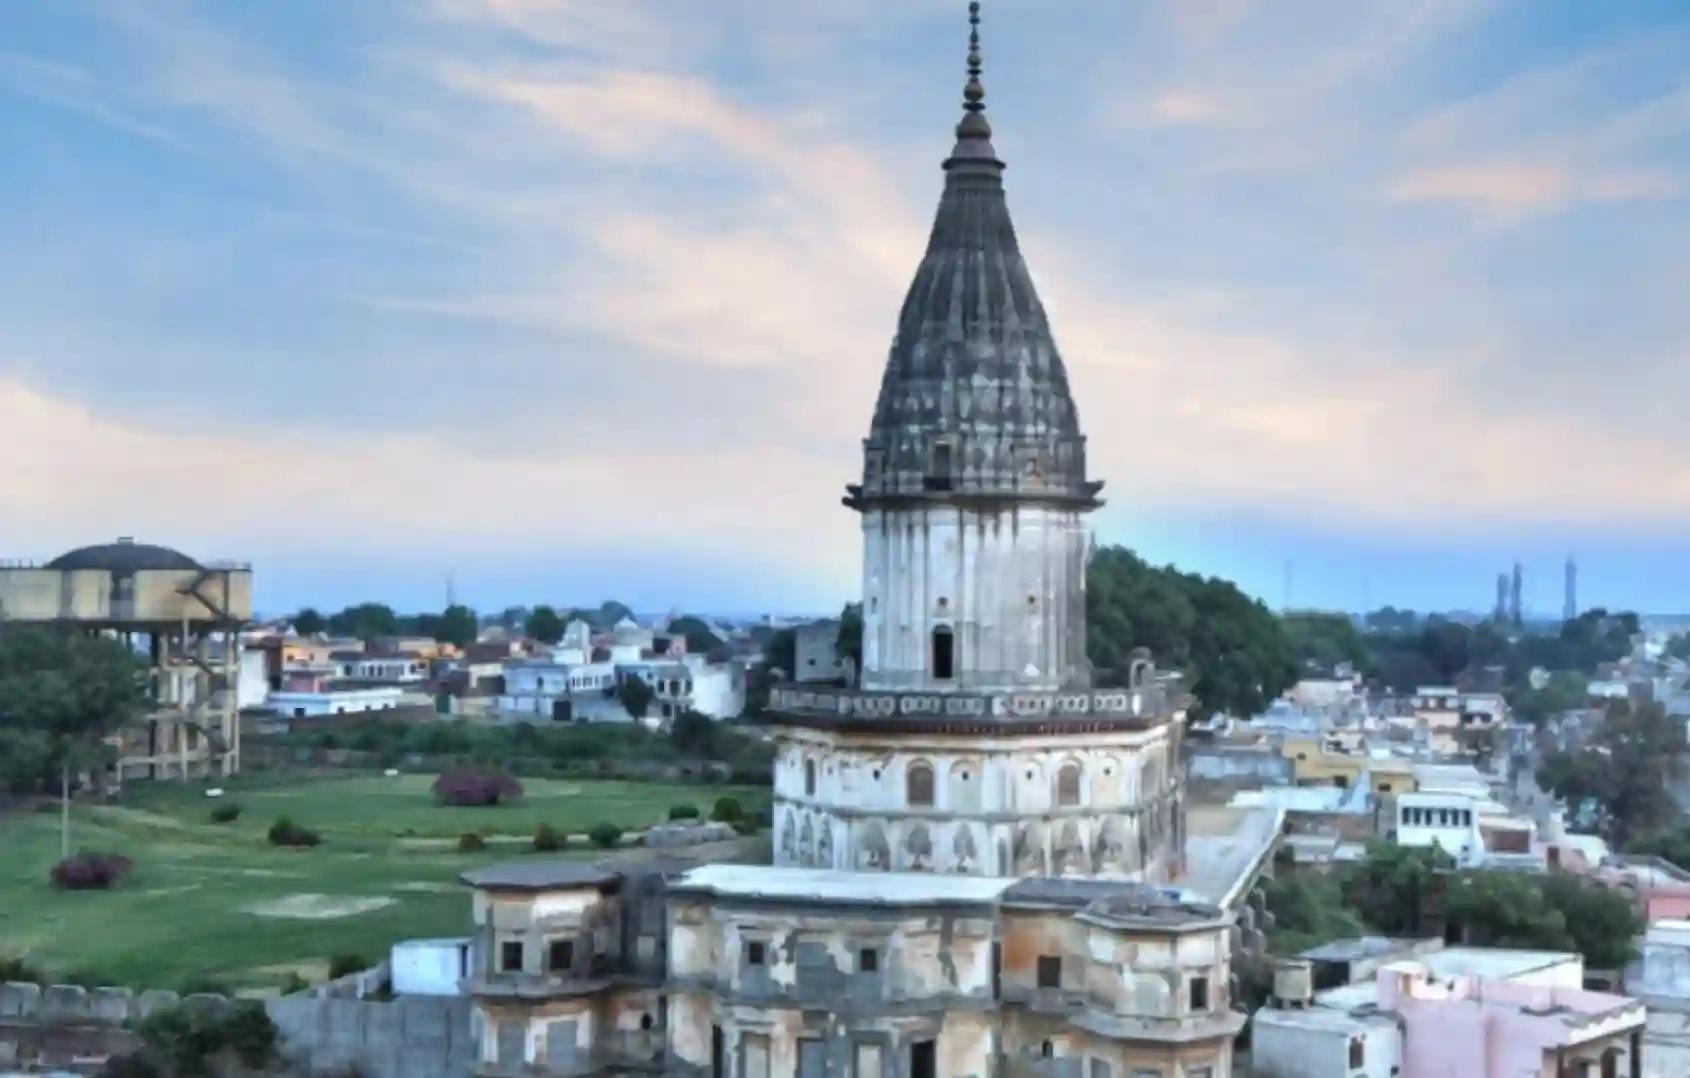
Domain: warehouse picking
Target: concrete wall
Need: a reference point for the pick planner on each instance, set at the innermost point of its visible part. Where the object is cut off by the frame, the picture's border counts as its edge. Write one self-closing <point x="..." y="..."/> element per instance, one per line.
<point x="413" y="1037"/>
<point x="62" y="1025"/>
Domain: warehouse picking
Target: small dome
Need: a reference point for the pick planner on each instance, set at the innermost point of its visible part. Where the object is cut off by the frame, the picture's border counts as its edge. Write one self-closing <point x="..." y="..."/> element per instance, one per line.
<point x="123" y="557"/>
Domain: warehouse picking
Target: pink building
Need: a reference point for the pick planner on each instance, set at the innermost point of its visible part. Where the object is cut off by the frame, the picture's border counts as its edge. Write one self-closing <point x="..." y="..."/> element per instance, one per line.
<point x="1476" y="1028"/>
<point x="1461" y="1012"/>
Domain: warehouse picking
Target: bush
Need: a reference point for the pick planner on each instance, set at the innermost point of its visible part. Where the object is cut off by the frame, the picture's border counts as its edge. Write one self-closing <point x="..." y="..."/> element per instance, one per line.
<point x="342" y="964"/>
<point x="294" y="984"/>
<point x="727" y="810"/>
<point x="16" y="969"/>
<point x="745" y="827"/>
<point x="683" y="812"/>
<point x="605" y="835"/>
<point x="225" y="814"/>
<point x="547" y="839"/>
<point x="284" y="832"/>
<point x="88" y="871"/>
<point x="134" y="1066"/>
<point x="468" y="787"/>
<point x="470" y="842"/>
<point x="186" y="1041"/>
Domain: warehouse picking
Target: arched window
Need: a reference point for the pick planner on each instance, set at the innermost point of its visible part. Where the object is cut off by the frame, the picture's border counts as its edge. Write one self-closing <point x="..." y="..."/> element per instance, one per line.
<point x="1068" y="784"/>
<point x="944" y="653"/>
<point x="918" y="784"/>
<point x="809" y="778"/>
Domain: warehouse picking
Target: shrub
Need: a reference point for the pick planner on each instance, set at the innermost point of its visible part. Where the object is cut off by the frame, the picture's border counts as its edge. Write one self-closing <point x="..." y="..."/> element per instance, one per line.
<point x="294" y="984"/>
<point x="683" y="812"/>
<point x="469" y="787"/>
<point x="16" y="969"/>
<point x="342" y="964"/>
<point x="284" y="832"/>
<point x="225" y="814"/>
<point x="187" y="1041"/>
<point x="132" y="1066"/>
<point x="605" y="835"/>
<point x="745" y="827"/>
<point x="547" y="839"/>
<point x="727" y="810"/>
<point x="88" y="871"/>
<point x="470" y="842"/>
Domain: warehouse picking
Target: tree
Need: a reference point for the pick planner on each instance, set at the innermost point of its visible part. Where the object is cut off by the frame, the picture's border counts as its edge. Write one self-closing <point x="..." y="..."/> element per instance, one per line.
<point x="1626" y="770"/>
<point x="1308" y="910"/>
<point x="610" y="612"/>
<point x="544" y="624"/>
<point x="780" y="655"/>
<point x="1231" y="647"/>
<point x="189" y="1039"/>
<point x="694" y="734"/>
<point x="636" y="695"/>
<point x="1566" y="691"/>
<point x="1325" y="641"/>
<point x="1389" y="887"/>
<point x="700" y="637"/>
<point x="61" y="694"/>
<point x="1602" y="922"/>
<point x="458" y="626"/>
<point x="849" y="640"/>
<point x="308" y="622"/>
<point x="366" y="621"/>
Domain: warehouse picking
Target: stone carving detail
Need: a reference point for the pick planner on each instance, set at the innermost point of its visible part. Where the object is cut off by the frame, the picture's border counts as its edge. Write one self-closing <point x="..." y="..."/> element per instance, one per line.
<point x="918" y="848"/>
<point x="964" y="853"/>
<point x="824" y="845"/>
<point x="788" y="837"/>
<point x="1030" y="850"/>
<point x="806" y="843"/>
<point x="873" y="853"/>
<point x="1109" y="848"/>
<point x="1070" y="853"/>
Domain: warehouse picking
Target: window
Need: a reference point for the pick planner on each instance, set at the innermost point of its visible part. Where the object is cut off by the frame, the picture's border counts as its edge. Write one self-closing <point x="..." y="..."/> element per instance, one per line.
<point x="1358" y="1052"/>
<point x="1100" y="1069"/>
<point x="561" y="956"/>
<point x="1199" y="993"/>
<point x="754" y="953"/>
<point x="939" y="475"/>
<point x="809" y="778"/>
<point x="868" y="960"/>
<point x="919" y="783"/>
<point x="510" y="956"/>
<point x="944" y="653"/>
<point x="1050" y="971"/>
<point x="1047" y="1050"/>
<point x="1068" y="784"/>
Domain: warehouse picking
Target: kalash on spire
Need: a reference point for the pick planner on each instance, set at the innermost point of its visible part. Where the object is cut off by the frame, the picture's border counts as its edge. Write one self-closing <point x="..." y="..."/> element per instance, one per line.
<point x="973" y="741"/>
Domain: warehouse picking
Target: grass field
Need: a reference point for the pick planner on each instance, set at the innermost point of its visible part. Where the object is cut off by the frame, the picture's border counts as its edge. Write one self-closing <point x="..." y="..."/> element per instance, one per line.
<point x="211" y="900"/>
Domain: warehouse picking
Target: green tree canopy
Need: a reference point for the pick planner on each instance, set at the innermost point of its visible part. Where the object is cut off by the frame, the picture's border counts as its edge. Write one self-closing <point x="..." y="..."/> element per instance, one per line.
<point x="366" y="621"/>
<point x="849" y="640"/>
<point x="544" y="624"/>
<point x="635" y="695"/>
<point x="1323" y="641"/>
<point x="700" y="637"/>
<point x="1231" y="647"/>
<point x="61" y="693"/>
<point x="457" y="626"/>
<point x="308" y="622"/>
<point x="1626" y="769"/>
<point x="694" y="734"/>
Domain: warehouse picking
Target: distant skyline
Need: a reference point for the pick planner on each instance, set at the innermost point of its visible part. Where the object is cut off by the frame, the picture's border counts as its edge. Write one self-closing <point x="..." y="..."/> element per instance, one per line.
<point x="580" y="300"/>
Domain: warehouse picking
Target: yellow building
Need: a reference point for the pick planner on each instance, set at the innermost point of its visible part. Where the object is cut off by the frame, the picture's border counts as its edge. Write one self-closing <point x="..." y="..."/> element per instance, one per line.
<point x="1329" y="761"/>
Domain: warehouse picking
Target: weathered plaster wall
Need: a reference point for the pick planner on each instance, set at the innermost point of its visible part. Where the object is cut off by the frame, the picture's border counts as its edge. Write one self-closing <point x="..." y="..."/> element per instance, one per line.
<point x="1009" y="584"/>
<point x="1108" y="803"/>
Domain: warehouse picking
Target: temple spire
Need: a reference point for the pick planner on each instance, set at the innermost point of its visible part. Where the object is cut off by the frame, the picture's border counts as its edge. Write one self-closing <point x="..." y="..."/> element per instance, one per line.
<point x="973" y="127"/>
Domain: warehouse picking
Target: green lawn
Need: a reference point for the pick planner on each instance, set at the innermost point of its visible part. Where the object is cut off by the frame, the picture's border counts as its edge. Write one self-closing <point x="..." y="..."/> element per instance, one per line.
<point x="187" y="912"/>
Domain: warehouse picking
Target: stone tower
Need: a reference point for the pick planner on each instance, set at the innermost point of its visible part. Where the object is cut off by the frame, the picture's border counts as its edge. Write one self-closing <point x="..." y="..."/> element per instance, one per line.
<point x="976" y="742"/>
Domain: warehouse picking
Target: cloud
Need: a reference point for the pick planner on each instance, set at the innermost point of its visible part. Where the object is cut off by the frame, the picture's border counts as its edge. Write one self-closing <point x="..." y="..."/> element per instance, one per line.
<point x="1515" y="191"/>
<point x="1499" y="188"/>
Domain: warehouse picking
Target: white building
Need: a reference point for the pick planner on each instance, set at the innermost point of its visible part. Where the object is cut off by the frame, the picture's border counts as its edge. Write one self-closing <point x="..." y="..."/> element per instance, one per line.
<point x="359" y="666"/>
<point x="336" y="700"/>
<point x="560" y="691"/>
<point x="429" y="967"/>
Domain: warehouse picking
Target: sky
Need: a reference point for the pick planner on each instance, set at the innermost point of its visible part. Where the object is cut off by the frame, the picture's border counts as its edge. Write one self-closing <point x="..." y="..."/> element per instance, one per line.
<point x="568" y="299"/>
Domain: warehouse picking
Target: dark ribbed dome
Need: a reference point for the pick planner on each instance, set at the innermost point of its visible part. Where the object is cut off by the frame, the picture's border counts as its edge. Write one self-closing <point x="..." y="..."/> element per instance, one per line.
<point x="123" y="557"/>
<point x="975" y="397"/>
